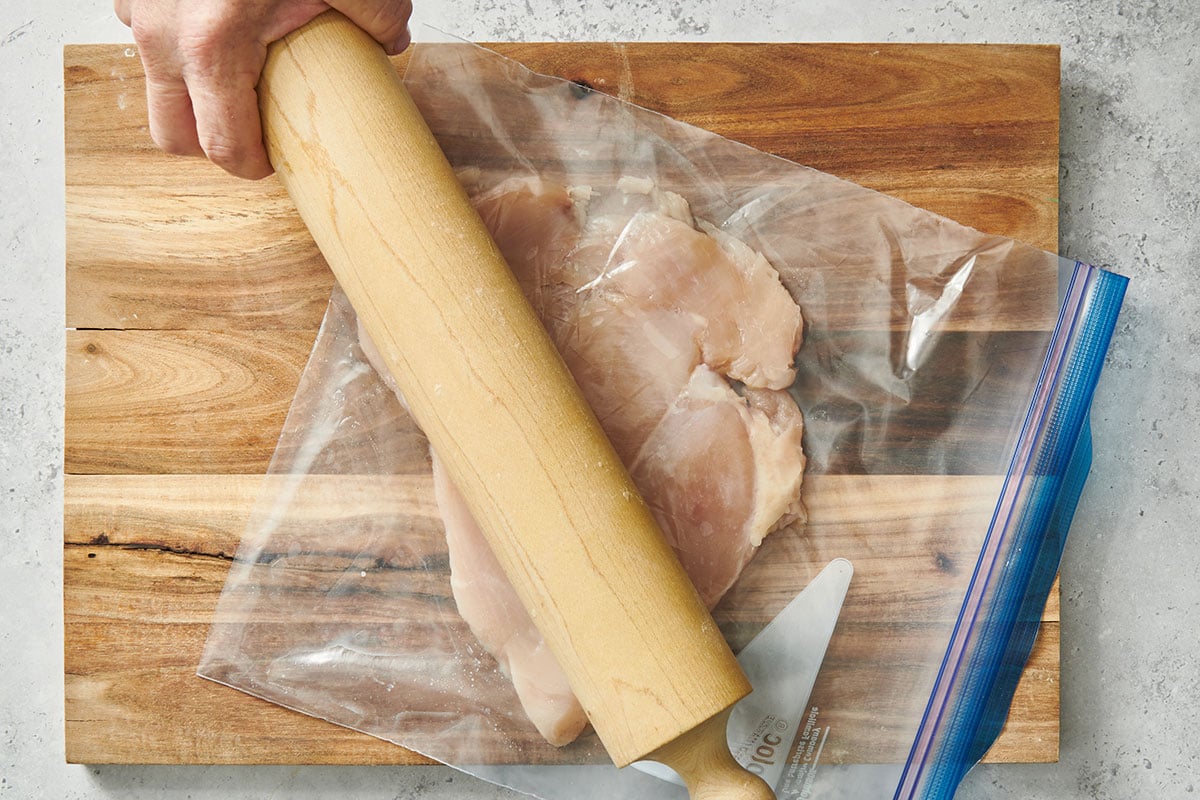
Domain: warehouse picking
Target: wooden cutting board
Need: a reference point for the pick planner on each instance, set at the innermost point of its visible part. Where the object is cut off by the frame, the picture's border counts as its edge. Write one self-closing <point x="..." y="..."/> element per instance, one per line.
<point x="193" y="300"/>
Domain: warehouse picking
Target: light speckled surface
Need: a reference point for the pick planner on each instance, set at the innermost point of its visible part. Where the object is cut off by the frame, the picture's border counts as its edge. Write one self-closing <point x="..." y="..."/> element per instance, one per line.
<point x="1129" y="198"/>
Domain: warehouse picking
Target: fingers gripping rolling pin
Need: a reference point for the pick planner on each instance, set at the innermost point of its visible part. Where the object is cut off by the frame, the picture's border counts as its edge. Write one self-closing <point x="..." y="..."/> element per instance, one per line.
<point x="483" y="380"/>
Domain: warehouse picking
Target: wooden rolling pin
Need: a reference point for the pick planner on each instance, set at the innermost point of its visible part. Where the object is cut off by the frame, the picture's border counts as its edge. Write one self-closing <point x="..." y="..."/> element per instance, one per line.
<point x="485" y="383"/>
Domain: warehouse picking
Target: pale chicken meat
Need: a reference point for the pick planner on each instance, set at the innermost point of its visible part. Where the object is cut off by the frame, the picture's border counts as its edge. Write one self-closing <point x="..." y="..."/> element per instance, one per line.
<point x="721" y="472"/>
<point x="490" y="606"/>
<point x="682" y="339"/>
<point x="642" y="252"/>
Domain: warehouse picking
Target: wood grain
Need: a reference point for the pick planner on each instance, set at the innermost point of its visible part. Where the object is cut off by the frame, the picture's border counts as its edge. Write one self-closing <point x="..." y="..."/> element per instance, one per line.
<point x="967" y="132"/>
<point x="141" y="401"/>
<point x="199" y="295"/>
<point x="198" y="401"/>
<point x="146" y="557"/>
<point x="874" y="114"/>
<point x="204" y="401"/>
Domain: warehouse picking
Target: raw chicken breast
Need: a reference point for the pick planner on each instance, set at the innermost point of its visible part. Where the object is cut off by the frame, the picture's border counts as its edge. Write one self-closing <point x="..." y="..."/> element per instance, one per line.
<point x="541" y="223"/>
<point x="642" y="248"/>
<point x="682" y="340"/>
<point x="721" y="472"/>
<point x="490" y="606"/>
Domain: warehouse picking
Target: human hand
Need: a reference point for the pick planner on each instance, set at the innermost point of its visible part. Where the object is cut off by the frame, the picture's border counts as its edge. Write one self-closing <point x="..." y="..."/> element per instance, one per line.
<point x="203" y="59"/>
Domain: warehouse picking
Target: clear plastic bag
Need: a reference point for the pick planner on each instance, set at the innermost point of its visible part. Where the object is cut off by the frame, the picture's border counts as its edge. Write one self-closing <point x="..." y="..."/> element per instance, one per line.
<point x="944" y="379"/>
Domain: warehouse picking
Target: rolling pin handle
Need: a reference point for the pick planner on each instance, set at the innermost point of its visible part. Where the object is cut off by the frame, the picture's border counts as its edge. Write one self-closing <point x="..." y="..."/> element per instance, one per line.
<point x="702" y="758"/>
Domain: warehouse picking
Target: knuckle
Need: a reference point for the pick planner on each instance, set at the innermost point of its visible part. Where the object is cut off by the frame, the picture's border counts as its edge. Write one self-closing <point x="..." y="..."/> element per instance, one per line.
<point x="236" y="157"/>
<point x="121" y="9"/>
<point x="391" y="20"/>
<point x="224" y="152"/>
<point x="205" y="36"/>
<point x="146" y="33"/>
<point x="197" y="51"/>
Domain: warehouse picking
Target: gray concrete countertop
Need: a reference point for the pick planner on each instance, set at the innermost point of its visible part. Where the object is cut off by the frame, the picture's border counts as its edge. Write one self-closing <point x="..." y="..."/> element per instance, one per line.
<point x="1129" y="201"/>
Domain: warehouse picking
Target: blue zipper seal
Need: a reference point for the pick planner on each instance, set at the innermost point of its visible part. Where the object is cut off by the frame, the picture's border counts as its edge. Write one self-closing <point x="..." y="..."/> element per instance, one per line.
<point x="1019" y="558"/>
